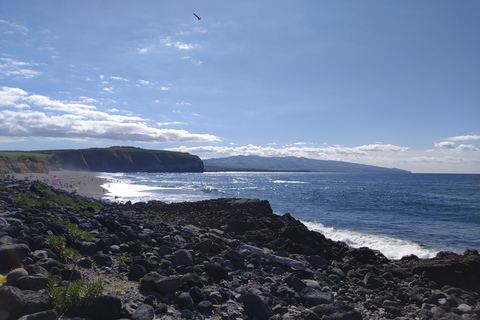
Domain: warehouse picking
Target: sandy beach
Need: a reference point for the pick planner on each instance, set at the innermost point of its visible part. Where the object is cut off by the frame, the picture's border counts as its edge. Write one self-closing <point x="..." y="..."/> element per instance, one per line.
<point x="84" y="183"/>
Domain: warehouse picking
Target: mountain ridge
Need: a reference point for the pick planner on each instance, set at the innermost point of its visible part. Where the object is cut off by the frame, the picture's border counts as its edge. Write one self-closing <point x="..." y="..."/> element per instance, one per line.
<point x="291" y="164"/>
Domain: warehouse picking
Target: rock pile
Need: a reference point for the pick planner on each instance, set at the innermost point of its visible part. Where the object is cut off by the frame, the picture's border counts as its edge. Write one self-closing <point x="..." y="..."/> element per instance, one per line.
<point x="217" y="259"/>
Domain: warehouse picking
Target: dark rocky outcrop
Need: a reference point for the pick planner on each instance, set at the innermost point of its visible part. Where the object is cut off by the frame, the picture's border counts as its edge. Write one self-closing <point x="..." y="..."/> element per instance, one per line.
<point x="224" y="258"/>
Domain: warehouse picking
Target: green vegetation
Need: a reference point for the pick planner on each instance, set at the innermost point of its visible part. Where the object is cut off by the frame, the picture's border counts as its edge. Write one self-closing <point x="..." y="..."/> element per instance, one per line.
<point x="77" y="293"/>
<point x="42" y="196"/>
<point x="74" y="230"/>
<point x="16" y="154"/>
<point x="3" y="279"/>
<point x="58" y="245"/>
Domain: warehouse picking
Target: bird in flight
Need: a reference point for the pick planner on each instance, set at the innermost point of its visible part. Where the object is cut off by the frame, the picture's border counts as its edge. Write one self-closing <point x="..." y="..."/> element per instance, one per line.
<point x="197" y="16"/>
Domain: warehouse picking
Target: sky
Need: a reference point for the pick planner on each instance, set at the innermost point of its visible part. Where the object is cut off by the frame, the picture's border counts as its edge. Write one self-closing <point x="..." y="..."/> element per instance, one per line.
<point x="385" y="83"/>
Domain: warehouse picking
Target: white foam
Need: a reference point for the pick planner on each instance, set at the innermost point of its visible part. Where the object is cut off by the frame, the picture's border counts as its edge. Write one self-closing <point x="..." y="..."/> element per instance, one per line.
<point x="289" y="181"/>
<point x="392" y="248"/>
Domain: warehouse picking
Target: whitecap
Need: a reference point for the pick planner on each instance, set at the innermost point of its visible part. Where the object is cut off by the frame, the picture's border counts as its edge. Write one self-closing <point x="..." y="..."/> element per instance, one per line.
<point x="392" y="248"/>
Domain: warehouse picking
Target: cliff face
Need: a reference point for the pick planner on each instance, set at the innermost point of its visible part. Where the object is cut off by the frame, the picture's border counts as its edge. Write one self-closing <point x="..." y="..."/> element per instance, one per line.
<point x="128" y="159"/>
<point x="24" y="164"/>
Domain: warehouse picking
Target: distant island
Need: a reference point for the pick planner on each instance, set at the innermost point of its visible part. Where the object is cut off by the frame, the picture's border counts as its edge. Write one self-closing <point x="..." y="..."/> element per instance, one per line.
<point x="113" y="159"/>
<point x="291" y="164"/>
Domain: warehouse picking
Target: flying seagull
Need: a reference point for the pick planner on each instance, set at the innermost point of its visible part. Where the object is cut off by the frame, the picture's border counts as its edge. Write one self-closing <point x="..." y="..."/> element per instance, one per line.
<point x="197" y="16"/>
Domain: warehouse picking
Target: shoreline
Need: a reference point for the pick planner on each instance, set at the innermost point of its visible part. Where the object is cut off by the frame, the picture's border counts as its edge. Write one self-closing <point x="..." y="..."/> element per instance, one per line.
<point x="84" y="183"/>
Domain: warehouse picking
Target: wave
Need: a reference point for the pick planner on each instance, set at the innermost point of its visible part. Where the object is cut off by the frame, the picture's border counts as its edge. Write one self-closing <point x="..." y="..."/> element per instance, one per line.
<point x="209" y="189"/>
<point x="392" y="248"/>
<point x="289" y="181"/>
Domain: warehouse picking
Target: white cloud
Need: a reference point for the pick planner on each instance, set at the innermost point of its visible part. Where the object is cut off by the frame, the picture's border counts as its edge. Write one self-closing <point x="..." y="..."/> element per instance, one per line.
<point x="183" y="46"/>
<point x="143" y="50"/>
<point x="72" y="120"/>
<point x="167" y="42"/>
<point x="464" y="138"/>
<point x="144" y="82"/>
<point x="10" y="96"/>
<point x="119" y="78"/>
<point x="325" y="153"/>
<point x="183" y="103"/>
<point x="467" y="147"/>
<point x="160" y="124"/>
<point x="17" y="69"/>
<point x="164" y="88"/>
<point x="382" y="147"/>
<point x="445" y="145"/>
<point x="12" y="28"/>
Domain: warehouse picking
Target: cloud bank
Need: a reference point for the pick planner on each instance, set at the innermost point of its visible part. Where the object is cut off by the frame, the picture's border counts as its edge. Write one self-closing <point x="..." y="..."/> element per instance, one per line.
<point x="71" y="120"/>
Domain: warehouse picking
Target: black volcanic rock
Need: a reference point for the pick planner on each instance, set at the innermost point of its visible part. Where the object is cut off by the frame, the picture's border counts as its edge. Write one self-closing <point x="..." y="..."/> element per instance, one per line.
<point x="228" y="258"/>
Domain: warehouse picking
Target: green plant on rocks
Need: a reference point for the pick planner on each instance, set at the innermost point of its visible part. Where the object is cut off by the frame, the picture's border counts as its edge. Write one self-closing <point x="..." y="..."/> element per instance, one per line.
<point x="74" y="230"/>
<point x="77" y="293"/>
<point x="58" y="245"/>
<point x="43" y="196"/>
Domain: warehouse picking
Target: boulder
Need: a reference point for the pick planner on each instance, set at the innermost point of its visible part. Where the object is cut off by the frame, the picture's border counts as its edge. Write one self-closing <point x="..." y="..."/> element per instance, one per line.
<point x="105" y="308"/>
<point x="182" y="257"/>
<point x="11" y="256"/>
<point x="168" y="284"/>
<point x="255" y="306"/>
<point x="144" y="312"/>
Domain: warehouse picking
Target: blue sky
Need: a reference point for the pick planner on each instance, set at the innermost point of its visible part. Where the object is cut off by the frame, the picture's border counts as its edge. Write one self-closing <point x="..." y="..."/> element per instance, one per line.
<point x="387" y="83"/>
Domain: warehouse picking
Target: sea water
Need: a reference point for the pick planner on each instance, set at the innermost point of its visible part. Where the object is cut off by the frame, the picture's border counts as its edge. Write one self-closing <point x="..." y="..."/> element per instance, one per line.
<point x="399" y="215"/>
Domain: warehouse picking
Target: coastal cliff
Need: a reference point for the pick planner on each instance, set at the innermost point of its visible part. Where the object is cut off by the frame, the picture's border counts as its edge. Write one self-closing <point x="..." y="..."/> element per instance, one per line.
<point x="128" y="159"/>
<point x="24" y="164"/>
<point x="113" y="159"/>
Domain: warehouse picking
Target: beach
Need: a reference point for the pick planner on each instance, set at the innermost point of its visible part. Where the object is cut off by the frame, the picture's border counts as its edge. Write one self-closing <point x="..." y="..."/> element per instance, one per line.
<point x="84" y="183"/>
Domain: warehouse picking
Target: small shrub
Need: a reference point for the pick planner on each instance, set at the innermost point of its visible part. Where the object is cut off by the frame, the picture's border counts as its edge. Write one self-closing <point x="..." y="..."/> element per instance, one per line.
<point x="77" y="293"/>
<point x="58" y="246"/>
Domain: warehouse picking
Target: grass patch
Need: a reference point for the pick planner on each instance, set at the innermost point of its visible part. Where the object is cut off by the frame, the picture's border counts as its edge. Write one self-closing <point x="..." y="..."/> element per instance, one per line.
<point x="74" y="230"/>
<point x="77" y="293"/>
<point x="42" y="196"/>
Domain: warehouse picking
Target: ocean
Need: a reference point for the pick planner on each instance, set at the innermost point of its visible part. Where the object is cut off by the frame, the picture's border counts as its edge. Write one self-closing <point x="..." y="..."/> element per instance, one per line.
<point x="399" y="215"/>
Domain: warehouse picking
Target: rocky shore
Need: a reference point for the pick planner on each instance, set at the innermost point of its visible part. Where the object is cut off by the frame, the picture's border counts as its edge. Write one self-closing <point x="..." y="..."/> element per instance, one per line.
<point x="214" y="259"/>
